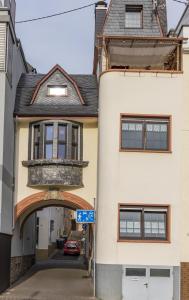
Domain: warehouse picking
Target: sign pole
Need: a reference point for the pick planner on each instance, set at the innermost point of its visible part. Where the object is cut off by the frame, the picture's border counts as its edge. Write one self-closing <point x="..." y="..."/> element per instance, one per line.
<point x="94" y="251"/>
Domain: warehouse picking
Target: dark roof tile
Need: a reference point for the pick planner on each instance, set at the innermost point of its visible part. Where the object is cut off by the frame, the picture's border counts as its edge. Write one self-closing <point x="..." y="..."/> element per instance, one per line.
<point x="87" y="85"/>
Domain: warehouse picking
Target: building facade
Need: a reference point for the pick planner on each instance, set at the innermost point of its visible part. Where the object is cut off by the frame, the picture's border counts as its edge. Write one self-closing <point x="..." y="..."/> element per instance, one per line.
<point x="56" y="148"/>
<point x="182" y="31"/>
<point x="129" y="151"/>
<point x="12" y="65"/>
<point x="140" y="159"/>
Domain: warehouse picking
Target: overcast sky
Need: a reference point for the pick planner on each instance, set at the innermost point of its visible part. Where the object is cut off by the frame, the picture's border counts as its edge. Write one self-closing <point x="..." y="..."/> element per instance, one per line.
<point x="68" y="39"/>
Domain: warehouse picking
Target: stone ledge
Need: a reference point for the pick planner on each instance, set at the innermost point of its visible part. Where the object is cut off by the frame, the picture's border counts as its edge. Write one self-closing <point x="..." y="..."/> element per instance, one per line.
<point x="56" y="172"/>
<point x="46" y="162"/>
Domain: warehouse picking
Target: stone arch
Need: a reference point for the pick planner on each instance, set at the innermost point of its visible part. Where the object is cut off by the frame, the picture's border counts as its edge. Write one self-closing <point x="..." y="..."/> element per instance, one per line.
<point x="44" y="199"/>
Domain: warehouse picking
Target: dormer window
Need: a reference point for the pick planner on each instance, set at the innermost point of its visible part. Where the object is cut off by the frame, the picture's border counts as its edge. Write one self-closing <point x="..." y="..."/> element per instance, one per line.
<point x="133" y="16"/>
<point x="57" y="90"/>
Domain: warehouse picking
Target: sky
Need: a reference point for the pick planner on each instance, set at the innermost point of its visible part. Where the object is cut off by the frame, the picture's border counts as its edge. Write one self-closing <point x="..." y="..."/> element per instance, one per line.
<point x="66" y="40"/>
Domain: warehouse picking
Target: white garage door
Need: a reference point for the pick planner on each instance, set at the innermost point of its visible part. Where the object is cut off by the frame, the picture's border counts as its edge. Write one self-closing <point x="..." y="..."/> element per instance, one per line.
<point x="147" y="283"/>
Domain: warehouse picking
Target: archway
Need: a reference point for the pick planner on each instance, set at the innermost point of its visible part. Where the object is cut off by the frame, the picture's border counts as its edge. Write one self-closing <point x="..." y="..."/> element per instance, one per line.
<point x="43" y="199"/>
<point x="36" y="203"/>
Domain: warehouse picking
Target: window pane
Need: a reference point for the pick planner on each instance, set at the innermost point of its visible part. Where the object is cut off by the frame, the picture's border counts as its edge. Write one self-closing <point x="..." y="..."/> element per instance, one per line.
<point x="155" y="225"/>
<point x="62" y="132"/>
<point x="57" y="90"/>
<point x="160" y="272"/>
<point x="36" y="133"/>
<point x="156" y="136"/>
<point x="48" y="151"/>
<point x="133" y="19"/>
<point x="36" y="151"/>
<point x="49" y="132"/>
<point x="132" y="135"/>
<point x="74" y="135"/>
<point x="130" y="224"/>
<point x="74" y="152"/>
<point x="135" y="272"/>
<point x="36" y="141"/>
<point x="62" y="151"/>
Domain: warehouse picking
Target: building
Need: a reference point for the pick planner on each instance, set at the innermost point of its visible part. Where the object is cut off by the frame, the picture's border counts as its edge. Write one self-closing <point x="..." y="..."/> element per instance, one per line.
<point x="140" y="159"/>
<point x="56" y="151"/>
<point x="137" y="135"/>
<point x="182" y="30"/>
<point x="12" y="64"/>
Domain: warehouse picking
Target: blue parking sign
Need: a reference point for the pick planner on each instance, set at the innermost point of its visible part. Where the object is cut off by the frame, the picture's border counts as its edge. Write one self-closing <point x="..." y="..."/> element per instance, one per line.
<point x="85" y="216"/>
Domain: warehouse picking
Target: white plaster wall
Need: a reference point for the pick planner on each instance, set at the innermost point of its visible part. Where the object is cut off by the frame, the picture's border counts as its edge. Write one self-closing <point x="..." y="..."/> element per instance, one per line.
<point x="131" y="177"/>
<point x="57" y="214"/>
<point x="44" y="218"/>
<point x="51" y="213"/>
<point x="185" y="166"/>
<point x="25" y="244"/>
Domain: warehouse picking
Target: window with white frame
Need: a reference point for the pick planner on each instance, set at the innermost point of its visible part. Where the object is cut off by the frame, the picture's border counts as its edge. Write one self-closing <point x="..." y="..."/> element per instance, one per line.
<point x="133" y="16"/>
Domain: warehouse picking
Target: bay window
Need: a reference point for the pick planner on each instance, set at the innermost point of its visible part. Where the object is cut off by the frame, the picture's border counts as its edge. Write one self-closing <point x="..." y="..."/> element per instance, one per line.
<point x="55" y="140"/>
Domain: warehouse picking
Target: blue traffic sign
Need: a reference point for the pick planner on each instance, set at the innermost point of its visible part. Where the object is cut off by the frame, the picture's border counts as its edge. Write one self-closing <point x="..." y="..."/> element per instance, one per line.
<point x="85" y="216"/>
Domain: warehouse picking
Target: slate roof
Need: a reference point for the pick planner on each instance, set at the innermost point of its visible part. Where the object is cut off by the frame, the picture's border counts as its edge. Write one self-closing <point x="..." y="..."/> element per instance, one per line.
<point x="115" y="21"/>
<point x="87" y="85"/>
<point x="184" y="20"/>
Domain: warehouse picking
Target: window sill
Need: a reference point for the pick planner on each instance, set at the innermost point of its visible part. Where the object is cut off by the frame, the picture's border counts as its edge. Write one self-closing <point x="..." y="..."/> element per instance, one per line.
<point x="46" y="162"/>
<point x="144" y="241"/>
<point x="145" y="151"/>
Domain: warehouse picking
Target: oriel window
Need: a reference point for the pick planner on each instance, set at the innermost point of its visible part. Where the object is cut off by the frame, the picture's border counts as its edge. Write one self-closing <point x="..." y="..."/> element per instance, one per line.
<point x="56" y="140"/>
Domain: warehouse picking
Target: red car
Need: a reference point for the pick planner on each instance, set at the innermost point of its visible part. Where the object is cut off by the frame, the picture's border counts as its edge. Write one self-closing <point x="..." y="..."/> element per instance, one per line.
<point x="72" y="247"/>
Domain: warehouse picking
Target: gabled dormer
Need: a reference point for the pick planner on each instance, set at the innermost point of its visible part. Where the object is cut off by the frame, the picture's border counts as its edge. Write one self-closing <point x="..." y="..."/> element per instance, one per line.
<point x="57" y="88"/>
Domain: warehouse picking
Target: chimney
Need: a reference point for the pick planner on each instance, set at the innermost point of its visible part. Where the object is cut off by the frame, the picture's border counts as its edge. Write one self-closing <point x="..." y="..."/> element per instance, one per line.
<point x="100" y="14"/>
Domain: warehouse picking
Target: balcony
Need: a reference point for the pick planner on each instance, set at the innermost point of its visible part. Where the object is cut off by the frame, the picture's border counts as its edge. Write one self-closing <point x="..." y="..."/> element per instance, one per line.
<point x="129" y="53"/>
<point x="55" y="172"/>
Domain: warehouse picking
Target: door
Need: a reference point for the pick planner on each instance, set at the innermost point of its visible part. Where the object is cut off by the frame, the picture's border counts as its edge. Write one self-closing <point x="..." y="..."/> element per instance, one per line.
<point x="147" y="283"/>
<point x="135" y="283"/>
<point x="160" y="284"/>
